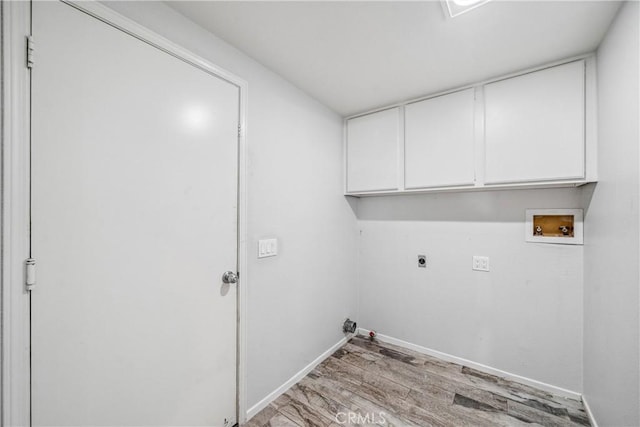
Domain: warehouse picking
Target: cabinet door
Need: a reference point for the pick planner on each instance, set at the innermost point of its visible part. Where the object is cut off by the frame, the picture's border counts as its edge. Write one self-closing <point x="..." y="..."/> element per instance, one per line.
<point x="439" y="141"/>
<point x="534" y="126"/>
<point x="372" y="151"/>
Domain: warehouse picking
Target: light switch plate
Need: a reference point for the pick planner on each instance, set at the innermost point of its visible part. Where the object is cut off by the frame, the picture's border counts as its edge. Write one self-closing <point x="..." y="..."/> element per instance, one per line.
<point x="267" y="248"/>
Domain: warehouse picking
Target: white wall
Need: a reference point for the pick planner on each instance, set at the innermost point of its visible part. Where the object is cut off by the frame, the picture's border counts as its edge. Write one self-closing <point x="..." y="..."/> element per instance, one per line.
<point x="523" y="317"/>
<point x="611" y="305"/>
<point x="298" y="300"/>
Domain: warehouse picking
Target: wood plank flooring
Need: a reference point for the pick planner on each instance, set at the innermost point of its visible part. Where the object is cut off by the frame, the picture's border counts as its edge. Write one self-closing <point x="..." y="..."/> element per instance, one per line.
<point x="369" y="383"/>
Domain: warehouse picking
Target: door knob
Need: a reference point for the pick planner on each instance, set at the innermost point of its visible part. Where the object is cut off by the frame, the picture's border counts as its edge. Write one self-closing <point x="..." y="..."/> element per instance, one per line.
<point x="229" y="277"/>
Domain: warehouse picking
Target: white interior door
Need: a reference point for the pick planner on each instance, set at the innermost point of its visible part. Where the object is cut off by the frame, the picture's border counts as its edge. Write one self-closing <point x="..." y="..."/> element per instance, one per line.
<point x="134" y="214"/>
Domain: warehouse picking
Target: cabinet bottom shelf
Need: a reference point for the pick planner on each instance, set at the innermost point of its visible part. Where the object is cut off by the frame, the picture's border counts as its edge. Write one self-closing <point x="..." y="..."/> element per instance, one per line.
<point x="474" y="188"/>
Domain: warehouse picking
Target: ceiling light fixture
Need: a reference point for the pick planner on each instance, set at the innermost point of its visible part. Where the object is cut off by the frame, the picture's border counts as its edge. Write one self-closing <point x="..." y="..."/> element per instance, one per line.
<point x="457" y="7"/>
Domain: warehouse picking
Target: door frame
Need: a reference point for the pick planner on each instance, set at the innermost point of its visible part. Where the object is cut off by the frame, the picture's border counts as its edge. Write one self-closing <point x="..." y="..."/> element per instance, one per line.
<point x="15" y="378"/>
<point x="15" y="19"/>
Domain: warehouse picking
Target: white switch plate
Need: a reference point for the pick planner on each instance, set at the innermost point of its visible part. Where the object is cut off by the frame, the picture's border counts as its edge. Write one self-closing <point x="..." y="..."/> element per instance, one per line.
<point x="480" y="263"/>
<point x="267" y="248"/>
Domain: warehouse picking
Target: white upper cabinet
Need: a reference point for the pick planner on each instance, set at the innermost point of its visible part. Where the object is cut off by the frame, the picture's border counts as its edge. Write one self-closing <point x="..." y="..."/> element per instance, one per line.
<point x="439" y="141"/>
<point x="535" y="126"/>
<point x="534" y="129"/>
<point x="373" y="143"/>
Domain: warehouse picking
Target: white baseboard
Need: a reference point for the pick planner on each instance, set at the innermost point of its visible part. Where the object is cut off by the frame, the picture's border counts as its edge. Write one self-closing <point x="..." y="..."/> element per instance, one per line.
<point x="558" y="391"/>
<point x="294" y="379"/>
<point x="587" y="408"/>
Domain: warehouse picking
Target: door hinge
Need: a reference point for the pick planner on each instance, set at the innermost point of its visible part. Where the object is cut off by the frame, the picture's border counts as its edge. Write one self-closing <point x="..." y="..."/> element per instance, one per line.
<point x="30" y="51"/>
<point x="30" y="276"/>
<point x="239" y="131"/>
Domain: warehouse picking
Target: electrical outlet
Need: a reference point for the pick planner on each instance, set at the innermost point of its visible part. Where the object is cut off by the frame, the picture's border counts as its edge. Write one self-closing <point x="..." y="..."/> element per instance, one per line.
<point x="480" y="263"/>
<point x="422" y="261"/>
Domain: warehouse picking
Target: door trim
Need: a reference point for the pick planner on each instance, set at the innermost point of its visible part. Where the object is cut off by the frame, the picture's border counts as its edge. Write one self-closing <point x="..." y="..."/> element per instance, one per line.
<point x="16" y="23"/>
<point x="15" y="199"/>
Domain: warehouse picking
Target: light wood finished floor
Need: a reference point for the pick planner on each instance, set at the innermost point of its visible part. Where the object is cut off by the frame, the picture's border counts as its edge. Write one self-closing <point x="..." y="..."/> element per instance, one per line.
<point x="373" y="383"/>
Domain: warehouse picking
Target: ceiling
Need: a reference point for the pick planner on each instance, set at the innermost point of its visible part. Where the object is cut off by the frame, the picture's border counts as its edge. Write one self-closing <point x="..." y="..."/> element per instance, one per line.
<point x="355" y="56"/>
